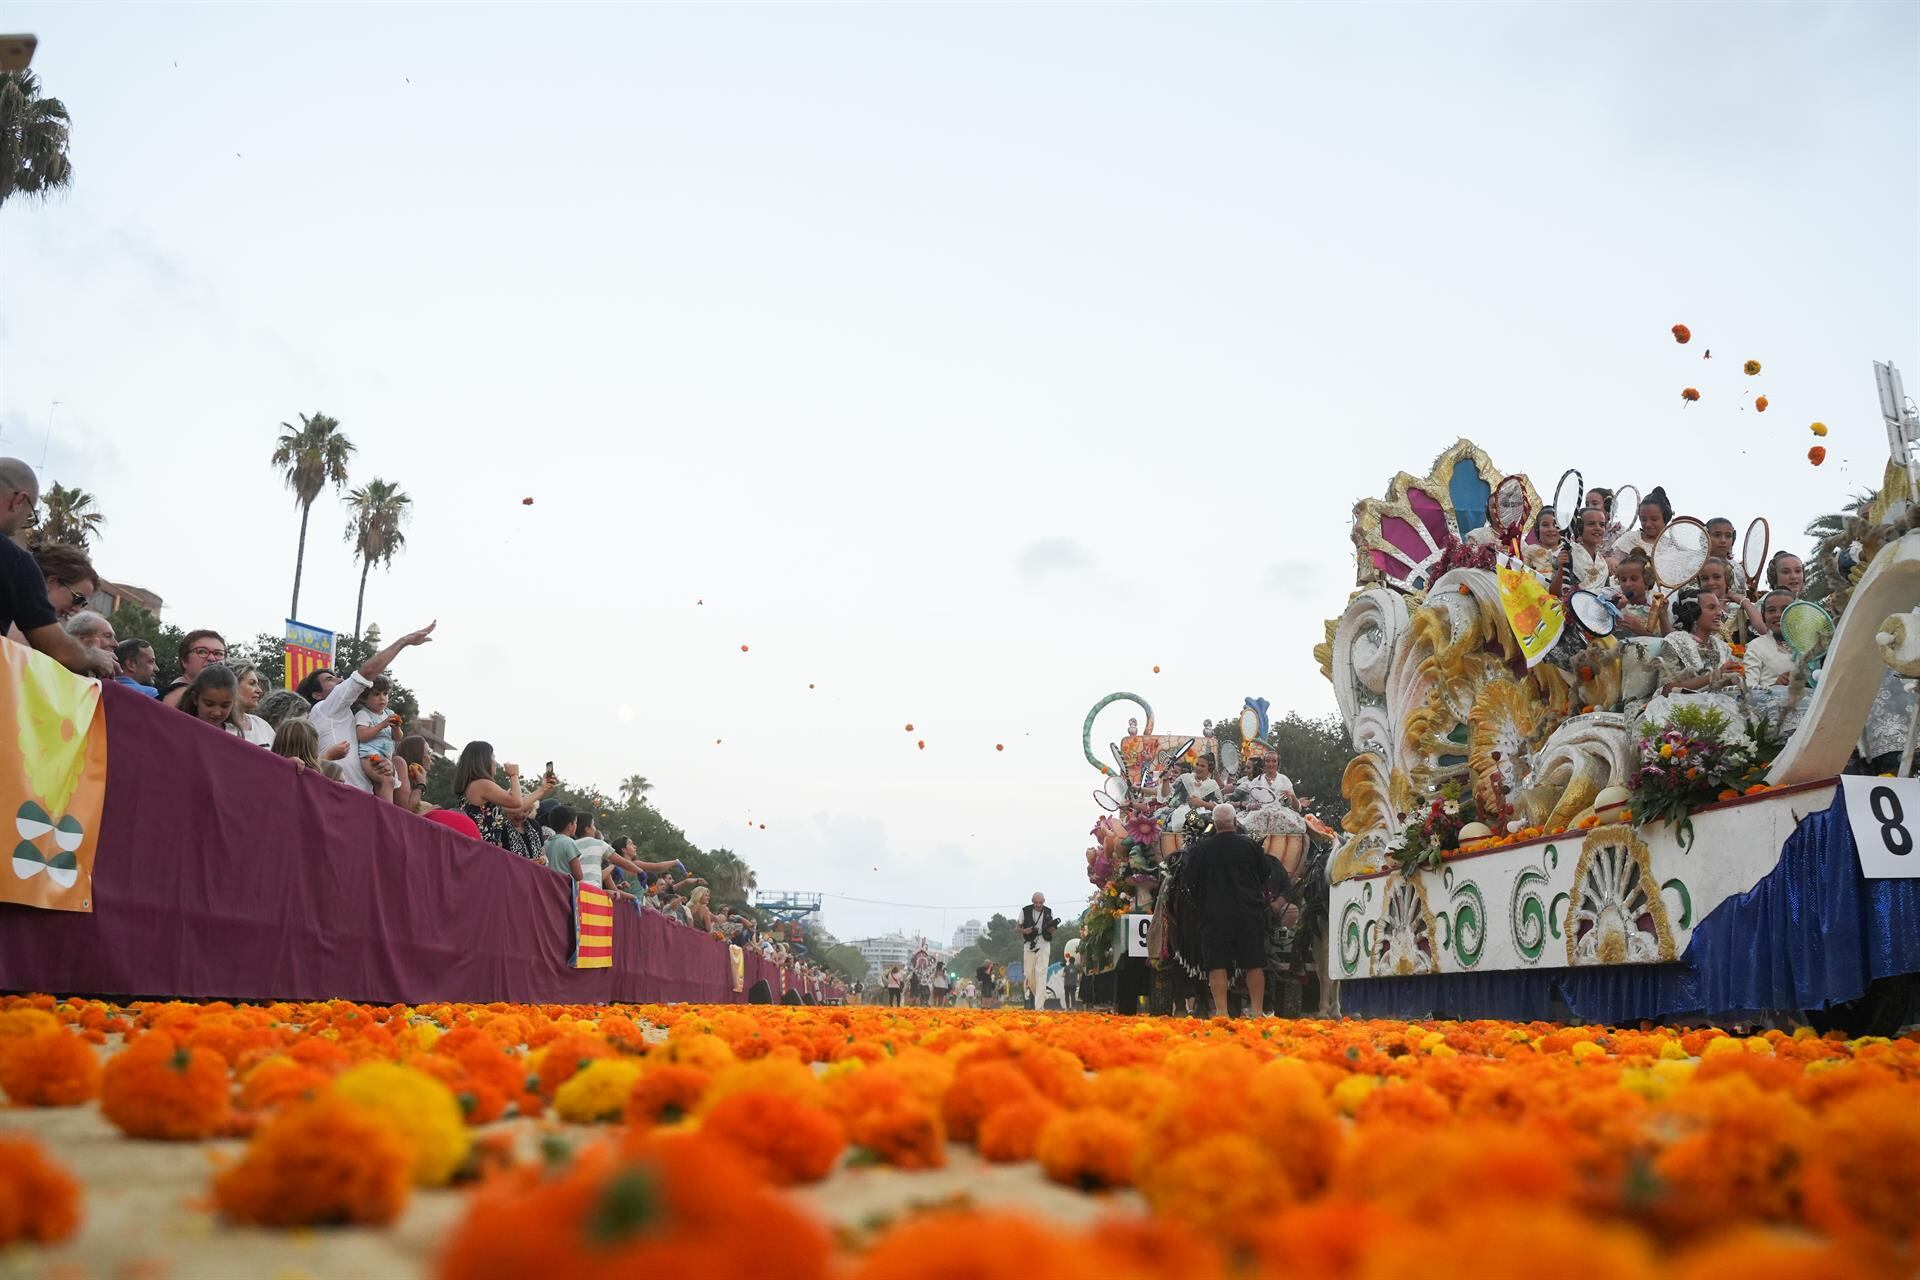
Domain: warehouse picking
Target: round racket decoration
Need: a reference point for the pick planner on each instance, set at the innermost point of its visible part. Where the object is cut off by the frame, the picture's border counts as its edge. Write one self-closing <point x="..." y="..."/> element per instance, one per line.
<point x="1805" y="626"/>
<point x="1625" y="515"/>
<point x="1568" y="496"/>
<point x="1229" y="757"/>
<point x="1112" y="793"/>
<point x="1753" y="552"/>
<point x="1510" y="506"/>
<point x="1679" y="552"/>
<point x="1250" y="724"/>
<point x="1592" y="613"/>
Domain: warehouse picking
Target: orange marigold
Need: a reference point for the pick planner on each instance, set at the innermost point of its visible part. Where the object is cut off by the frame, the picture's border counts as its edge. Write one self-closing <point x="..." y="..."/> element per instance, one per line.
<point x="1091" y="1150"/>
<point x="665" y="1093"/>
<point x="278" y="1081"/>
<point x="1757" y="1253"/>
<point x="1220" y="1186"/>
<point x="1866" y="1163"/>
<point x="1010" y="1133"/>
<point x="979" y="1089"/>
<point x="317" y="1163"/>
<point x="791" y="1141"/>
<point x="156" y="1088"/>
<point x="565" y="1054"/>
<point x="660" y="1209"/>
<point x="905" y="1133"/>
<point x="52" y="1069"/>
<point x="39" y="1201"/>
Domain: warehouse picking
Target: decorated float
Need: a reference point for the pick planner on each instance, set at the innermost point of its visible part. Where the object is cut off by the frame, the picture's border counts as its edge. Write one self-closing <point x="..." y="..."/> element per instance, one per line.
<point x="1535" y="831"/>
<point x="1156" y="796"/>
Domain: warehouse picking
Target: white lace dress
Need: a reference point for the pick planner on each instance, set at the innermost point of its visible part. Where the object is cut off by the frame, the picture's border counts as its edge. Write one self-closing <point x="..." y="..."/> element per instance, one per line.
<point x="1270" y="810"/>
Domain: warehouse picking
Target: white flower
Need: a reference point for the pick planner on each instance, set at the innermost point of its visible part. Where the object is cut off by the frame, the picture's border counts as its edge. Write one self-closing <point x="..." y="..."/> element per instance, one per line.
<point x="1451" y="808"/>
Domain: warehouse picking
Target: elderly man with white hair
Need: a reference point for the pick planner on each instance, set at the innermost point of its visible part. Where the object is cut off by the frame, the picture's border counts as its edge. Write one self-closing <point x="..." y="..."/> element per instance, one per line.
<point x="1037" y="923"/>
<point x="92" y="630"/>
<point x="1228" y="872"/>
<point x="24" y="603"/>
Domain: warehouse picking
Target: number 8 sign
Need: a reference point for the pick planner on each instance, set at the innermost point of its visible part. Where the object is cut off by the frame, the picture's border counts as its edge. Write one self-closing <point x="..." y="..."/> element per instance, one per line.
<point x="1884" y="814"/>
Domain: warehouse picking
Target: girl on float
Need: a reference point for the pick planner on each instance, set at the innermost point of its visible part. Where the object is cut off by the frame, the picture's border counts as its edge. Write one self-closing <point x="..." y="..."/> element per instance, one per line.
<point x="1589" y="557"/>
<point x="1655" y="513"/>
<point x="1785" y="572"/>
<point x="1197" y="790"/>
<point x="1716" y="576"/>
<point x="1271" y="804"/>
<point x="1545" y="546"/>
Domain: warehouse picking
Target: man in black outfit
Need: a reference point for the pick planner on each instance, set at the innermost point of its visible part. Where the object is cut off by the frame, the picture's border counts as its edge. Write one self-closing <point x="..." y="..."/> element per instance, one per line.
<point x="1229" y="876"/>
<point x="24" y="602"/>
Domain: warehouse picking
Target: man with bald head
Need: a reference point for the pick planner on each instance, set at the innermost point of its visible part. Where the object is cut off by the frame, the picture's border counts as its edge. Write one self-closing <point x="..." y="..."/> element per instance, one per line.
<point x="1037" y="924"/>
<point x="1229" y="873"/>
<point x="26" y="612"/>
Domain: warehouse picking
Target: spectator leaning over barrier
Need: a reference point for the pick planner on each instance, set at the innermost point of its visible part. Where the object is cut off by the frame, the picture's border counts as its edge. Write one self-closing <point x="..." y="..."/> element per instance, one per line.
<point x="297" y="740"/>
<point x="333" y="699"/>
<point x="71" y="578"/>
<point x="26" y="612"/>
<point x="137" y="666"/>
<point x="91" y="630"/>
<point x="198" y="650"/>
<point x="562" y="852"/>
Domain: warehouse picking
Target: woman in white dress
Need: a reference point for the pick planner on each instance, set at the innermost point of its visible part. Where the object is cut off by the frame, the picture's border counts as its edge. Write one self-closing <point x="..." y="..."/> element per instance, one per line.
<point x="1592" y="561"/>
<point x="1271" y="805"/>
<point x="1196" y="790"/>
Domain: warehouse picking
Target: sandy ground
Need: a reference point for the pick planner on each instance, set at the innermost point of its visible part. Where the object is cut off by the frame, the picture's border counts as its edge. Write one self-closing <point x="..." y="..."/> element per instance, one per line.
<point x="148" y="1214"/>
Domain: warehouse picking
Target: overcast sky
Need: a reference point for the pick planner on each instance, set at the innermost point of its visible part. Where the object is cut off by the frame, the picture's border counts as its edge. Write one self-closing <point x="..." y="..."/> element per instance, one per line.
<point x="967" y="361"/>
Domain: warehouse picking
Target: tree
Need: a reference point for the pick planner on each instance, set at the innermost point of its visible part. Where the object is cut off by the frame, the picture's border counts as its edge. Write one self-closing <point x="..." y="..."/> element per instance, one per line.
<point x="1001" y="943"/>
<point x="1314" y="753"/>
<point x="136" y="622"/>
<point x="378" y="509"/>
<point x="634" y="789"/>
<point x="310" y="457"/>
<point x="1823" y="577"/>
<point x="33" y="138"/>
<point x="71" y="517"/>
<point x="846" y="961"/>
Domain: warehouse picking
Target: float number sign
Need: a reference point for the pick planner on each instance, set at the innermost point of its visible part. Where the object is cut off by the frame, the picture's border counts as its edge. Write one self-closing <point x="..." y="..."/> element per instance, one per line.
<point x="1885" y="816"/>
<point x="1137" y="934"/>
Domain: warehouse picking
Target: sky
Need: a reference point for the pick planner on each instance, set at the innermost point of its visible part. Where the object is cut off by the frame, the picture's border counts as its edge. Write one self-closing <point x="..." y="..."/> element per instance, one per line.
<point x="963" y="362"/>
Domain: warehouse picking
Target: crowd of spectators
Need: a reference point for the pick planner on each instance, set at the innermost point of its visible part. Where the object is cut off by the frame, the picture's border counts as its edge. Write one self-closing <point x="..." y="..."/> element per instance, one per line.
<point x="343" y="728"/>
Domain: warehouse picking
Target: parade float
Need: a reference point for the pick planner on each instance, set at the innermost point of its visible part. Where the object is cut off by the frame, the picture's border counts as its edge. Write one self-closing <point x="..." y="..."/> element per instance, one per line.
<point x="1533" y="831"/>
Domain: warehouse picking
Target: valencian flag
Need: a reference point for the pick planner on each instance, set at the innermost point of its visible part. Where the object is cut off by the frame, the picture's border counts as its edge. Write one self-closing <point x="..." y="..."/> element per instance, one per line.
<point x="592" y="928"/>
<point x="308" y="649"/>
<point x="55" y="785"/>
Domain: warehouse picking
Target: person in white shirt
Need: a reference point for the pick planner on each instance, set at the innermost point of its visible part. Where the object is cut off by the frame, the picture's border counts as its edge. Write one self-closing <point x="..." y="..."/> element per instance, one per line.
<point x="1037" y="924"/>
<point x="333" y="700"/>
<point x="1591" y="561"/>
<point x="251" y="690"/>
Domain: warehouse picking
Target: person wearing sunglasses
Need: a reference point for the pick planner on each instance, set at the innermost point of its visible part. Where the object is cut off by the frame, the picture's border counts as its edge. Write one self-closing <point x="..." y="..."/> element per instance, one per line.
<point x="71" y="579"/>
<point x="28" y="614"/>
<point x="198" y="651"/>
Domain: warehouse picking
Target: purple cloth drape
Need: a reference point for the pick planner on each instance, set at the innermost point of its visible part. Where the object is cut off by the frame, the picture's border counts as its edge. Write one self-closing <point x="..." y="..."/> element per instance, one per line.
<point x="223" y="874"/>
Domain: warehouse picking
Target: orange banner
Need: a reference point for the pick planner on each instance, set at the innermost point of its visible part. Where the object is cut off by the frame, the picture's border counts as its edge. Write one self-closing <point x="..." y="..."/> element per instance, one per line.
<point x="55" y="783"/>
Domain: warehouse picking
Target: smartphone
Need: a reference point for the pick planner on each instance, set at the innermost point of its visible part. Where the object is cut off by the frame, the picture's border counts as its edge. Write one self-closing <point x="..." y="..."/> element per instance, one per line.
<point x="549" y="768"/>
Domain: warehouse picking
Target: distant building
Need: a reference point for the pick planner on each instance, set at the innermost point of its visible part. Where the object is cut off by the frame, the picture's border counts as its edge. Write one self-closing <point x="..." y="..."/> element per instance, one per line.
<point x="111" y="595"/>
<point x="967" y="934"/>
<point x="890" y="949"/>
<point x="433" y="728"/>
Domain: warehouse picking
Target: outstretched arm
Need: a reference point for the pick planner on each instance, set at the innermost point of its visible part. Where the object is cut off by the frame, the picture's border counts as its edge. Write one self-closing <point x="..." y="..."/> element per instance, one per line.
<point x="378" y="662"/>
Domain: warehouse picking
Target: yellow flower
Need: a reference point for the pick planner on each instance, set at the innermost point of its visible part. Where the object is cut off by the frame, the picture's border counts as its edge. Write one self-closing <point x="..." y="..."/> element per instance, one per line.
<point x="1672" y="1052"/>
<point x="418" y="1107"/>
<point x="1820" y="428"/>
<point x="1351" y="1092"/>
<point x="417" y="1038"/>
<point x="1751" y="367"/>
<point x="1587" y="1049"/>
<point x="598" y="1091"/>
<point x="1666" y="751"/>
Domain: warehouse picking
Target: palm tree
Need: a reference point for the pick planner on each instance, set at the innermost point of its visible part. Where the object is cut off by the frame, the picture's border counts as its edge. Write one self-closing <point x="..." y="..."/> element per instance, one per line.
<point x="1823" y="577"/>
<point x="732" y="877"/>
<point x="71" y="517"/>
<point x="377" y="509"/>
<point x="33" y="138"/>
<point x="634" y="789"/>
<point x="310" y="457"/>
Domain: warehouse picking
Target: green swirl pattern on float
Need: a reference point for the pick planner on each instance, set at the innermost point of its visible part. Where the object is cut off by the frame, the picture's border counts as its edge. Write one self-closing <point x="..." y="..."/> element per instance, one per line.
<point x="1527" y="912"/>
<point x="1352" y="940"/>
<point x="1469" y="931"/>
<point x="1086" y="727"/>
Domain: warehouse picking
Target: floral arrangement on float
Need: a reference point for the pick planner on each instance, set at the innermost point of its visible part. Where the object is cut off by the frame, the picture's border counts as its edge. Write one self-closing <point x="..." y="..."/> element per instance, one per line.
<point x="1693" y="759"/>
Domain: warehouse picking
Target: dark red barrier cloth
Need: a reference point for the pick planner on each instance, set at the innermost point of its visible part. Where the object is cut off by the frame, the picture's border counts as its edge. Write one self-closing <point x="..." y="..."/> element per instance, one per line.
<point x="223" y="874"/>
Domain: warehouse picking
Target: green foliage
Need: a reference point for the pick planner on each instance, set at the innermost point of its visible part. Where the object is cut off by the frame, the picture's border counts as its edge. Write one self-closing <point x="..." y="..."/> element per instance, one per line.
<point x="131" y="621"/>
<point x="1314" y="753"/>
<point x="33" y="138"/>
<point x="1001" y="943"/>
<point x="70" y="518"/>
<point x="846" y="961"/>
<point x="967" y="961"/>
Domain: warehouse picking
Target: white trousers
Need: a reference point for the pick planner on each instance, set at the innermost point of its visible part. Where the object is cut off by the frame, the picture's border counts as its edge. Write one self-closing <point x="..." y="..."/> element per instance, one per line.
<point x="1036" y="967"/>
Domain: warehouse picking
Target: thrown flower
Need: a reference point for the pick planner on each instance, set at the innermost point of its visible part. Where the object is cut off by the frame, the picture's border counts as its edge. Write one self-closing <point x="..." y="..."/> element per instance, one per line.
<point x="1750" y="368"/>
<point x="1690" y="394"/>
<point x="1682" y="334"/>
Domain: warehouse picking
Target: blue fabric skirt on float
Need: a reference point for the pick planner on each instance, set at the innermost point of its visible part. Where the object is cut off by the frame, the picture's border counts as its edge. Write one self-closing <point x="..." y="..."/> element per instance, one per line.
<point x="1812" y="933"/>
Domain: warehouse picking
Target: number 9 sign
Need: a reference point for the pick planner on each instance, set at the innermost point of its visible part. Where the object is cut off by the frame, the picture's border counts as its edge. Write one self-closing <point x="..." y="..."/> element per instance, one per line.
<point x="1882" y="813"/>
<point x="1137" y="933"/>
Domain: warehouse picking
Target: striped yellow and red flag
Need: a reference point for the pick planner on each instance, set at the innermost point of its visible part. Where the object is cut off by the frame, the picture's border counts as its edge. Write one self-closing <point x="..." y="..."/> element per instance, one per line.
<point x="593" y="927"/>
